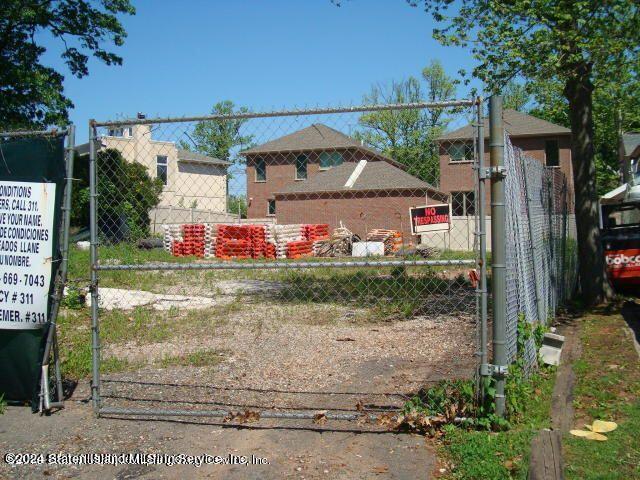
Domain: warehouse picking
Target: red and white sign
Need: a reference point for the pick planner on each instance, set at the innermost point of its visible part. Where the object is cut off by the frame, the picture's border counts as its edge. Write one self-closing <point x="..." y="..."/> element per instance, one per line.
<point x="624" y="265"/>
<point x="430" y="218"/>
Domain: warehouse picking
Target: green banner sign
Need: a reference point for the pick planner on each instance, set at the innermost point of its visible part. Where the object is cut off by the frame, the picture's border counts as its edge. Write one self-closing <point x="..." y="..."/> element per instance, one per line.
<point x="32" y="180"/>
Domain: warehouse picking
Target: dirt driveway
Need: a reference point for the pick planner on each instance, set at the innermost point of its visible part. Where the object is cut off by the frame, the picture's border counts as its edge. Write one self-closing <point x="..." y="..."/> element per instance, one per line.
<point x="291" y="453"/>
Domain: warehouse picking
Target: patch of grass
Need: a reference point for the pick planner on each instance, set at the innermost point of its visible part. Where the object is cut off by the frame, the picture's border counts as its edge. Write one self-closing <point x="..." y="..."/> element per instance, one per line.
<point x="200" y="358"/>
<point x="139" y="326"/>
<point x="607" y="388"/>
<point x="3" y="404"/>
<point x="472" y="454"/>
<point x="117" y="365"/>
<point x="504" y="452"/>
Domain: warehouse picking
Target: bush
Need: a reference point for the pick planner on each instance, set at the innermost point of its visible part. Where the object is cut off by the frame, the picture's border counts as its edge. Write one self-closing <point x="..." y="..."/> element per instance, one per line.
<point x="127" y="195"/>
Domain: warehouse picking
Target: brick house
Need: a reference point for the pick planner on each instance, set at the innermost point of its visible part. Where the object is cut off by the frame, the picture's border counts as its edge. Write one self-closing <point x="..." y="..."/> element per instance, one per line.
<point x="320" y="175"/>
<point x="544" y="141"/>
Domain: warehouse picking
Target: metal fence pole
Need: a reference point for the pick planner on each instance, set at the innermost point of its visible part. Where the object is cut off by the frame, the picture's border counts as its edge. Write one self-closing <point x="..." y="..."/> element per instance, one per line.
<point x="482" y="236"/>
<point x="563" y="262"/>
<point x="93" y="220"/>
<point x="498" y="250"/>
<point x="52" y="339"/>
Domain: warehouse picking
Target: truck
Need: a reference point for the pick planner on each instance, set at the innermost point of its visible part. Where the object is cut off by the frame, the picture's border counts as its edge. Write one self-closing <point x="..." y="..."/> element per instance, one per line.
<point x="620" y="233"/>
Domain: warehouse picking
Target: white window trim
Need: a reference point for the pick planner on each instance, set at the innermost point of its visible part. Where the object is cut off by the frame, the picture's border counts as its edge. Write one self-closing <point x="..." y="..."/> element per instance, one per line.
<point x="166" y="165"/>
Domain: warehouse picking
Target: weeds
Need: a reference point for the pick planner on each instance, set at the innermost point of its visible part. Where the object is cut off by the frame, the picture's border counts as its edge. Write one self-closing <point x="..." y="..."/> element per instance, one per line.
<point x="200" y="358"/>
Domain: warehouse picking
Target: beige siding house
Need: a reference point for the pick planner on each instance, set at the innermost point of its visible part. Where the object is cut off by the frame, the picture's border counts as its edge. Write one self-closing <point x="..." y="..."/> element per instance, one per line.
<point x="192" y="180"/>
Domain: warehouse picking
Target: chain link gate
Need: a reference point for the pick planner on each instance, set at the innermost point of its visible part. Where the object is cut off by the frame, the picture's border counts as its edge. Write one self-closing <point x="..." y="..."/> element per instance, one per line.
<point x="263" y="265"/>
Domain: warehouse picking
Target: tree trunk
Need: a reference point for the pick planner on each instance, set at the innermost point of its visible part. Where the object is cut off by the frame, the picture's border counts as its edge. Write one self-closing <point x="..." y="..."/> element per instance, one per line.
<point x="594" y="284"/>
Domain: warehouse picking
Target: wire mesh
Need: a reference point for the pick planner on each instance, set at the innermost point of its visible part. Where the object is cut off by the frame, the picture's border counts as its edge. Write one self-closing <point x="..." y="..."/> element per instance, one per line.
<point x="269" y="260"/>
<point x="541" y="258"/>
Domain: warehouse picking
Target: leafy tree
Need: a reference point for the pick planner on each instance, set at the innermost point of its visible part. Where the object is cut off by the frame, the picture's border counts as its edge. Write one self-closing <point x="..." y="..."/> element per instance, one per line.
<point x="408" y="135"/>
<point x="217" y="138"/>
<point x="616" y="109"/>
<point x="32" y="93"/>
<point x="237" y="205"/>
<point x="575" y="42"/>
<point x="128" y="194"/>
<point x="516" y="96"/>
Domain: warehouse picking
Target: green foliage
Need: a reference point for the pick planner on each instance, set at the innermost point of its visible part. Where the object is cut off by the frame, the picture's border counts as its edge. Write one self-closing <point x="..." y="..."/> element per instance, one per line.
<point x="218" y="138"/>
<point x="3" y="404"/>
<point x="32" y="93"/>
<point x="408" y="135"/>
<point x="516" y="96"/>
<point x="132" y="194"/>
<point x="616" y="108"/>
<point x="607" y="387"/>
<point x="237" y="204"/>
<point x="476" y="453"/>
<point x="73" y="298"/>
<point x="585" y="46"/>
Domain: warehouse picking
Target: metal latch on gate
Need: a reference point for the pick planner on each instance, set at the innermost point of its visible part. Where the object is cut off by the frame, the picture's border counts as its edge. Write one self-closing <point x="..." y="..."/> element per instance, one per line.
<point x="487" y="369"/>
<point x="491" y="172"/>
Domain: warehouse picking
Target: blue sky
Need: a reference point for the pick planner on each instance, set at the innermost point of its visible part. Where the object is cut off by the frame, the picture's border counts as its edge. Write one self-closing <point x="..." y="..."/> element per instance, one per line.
<point x="181" y="57"/>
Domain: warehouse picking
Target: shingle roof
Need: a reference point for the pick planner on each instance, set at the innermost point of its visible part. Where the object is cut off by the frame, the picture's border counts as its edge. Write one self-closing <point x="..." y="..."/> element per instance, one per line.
<point x="376" y="175"/>
<point x="517" y="124"/>
<point x="631" y="143"/>
<point x="194" y="157"/>
<point x="315" y="137"/>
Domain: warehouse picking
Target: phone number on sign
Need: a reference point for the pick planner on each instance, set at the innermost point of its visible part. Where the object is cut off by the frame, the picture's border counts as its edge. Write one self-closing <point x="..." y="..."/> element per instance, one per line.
<point x="131" y="459"/>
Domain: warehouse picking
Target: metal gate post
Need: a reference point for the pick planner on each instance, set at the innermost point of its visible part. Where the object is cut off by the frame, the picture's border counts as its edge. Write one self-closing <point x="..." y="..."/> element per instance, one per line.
<point x="52" y="335"/>
<point x="482" y="236"/>
<point x="563" y="266"/>
<point x="498" y="250"/>
<point x="93" y="220"/>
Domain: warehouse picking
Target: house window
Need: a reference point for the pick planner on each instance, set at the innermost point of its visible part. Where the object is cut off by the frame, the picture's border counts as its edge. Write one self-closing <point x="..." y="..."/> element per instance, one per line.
<point x="330" y="159"/>
<point x="261" y="170"/>
<point x="161" y="168"/>
<point x="301" y="167"/>
<point x="271" y="207"/>
<point x="463" y="204"/>
<point x="120" y="132"/>
<point x="552" y="153"/>
<point x="460" y="152"/>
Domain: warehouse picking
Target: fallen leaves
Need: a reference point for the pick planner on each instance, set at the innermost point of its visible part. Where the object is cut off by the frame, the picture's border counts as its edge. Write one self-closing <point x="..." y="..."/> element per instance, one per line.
<point x="320" y="418"/>
<point x="248" y="416"/>
<point x="595" y="430"/>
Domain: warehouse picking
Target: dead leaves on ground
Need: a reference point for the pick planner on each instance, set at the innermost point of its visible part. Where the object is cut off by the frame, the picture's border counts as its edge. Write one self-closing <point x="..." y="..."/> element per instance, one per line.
<point x="248" y="416"/>
<point x="595" y="430"/>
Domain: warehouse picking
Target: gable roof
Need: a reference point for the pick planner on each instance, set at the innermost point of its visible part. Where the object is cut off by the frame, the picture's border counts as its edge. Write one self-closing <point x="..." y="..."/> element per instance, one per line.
<point x="374" y="175"/>
<point x="195" y="157"/>
<point x="315" y="137"/>
<point x="517" y="124"/>
<point x="631" y="143"/>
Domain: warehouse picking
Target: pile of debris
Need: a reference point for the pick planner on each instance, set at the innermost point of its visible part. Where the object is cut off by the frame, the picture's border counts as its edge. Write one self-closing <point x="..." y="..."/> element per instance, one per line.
<point x="392" y="239"/>
<point x="339" y="244"/>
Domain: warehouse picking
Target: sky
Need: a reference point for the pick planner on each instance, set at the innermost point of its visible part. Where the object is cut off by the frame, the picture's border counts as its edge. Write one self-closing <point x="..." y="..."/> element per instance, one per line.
<point x="180" y="57"/>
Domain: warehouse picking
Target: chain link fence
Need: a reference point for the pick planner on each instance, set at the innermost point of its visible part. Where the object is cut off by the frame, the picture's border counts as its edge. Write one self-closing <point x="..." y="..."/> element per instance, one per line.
<point x="541" y="253"/>
<point x="271" y="263"/>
